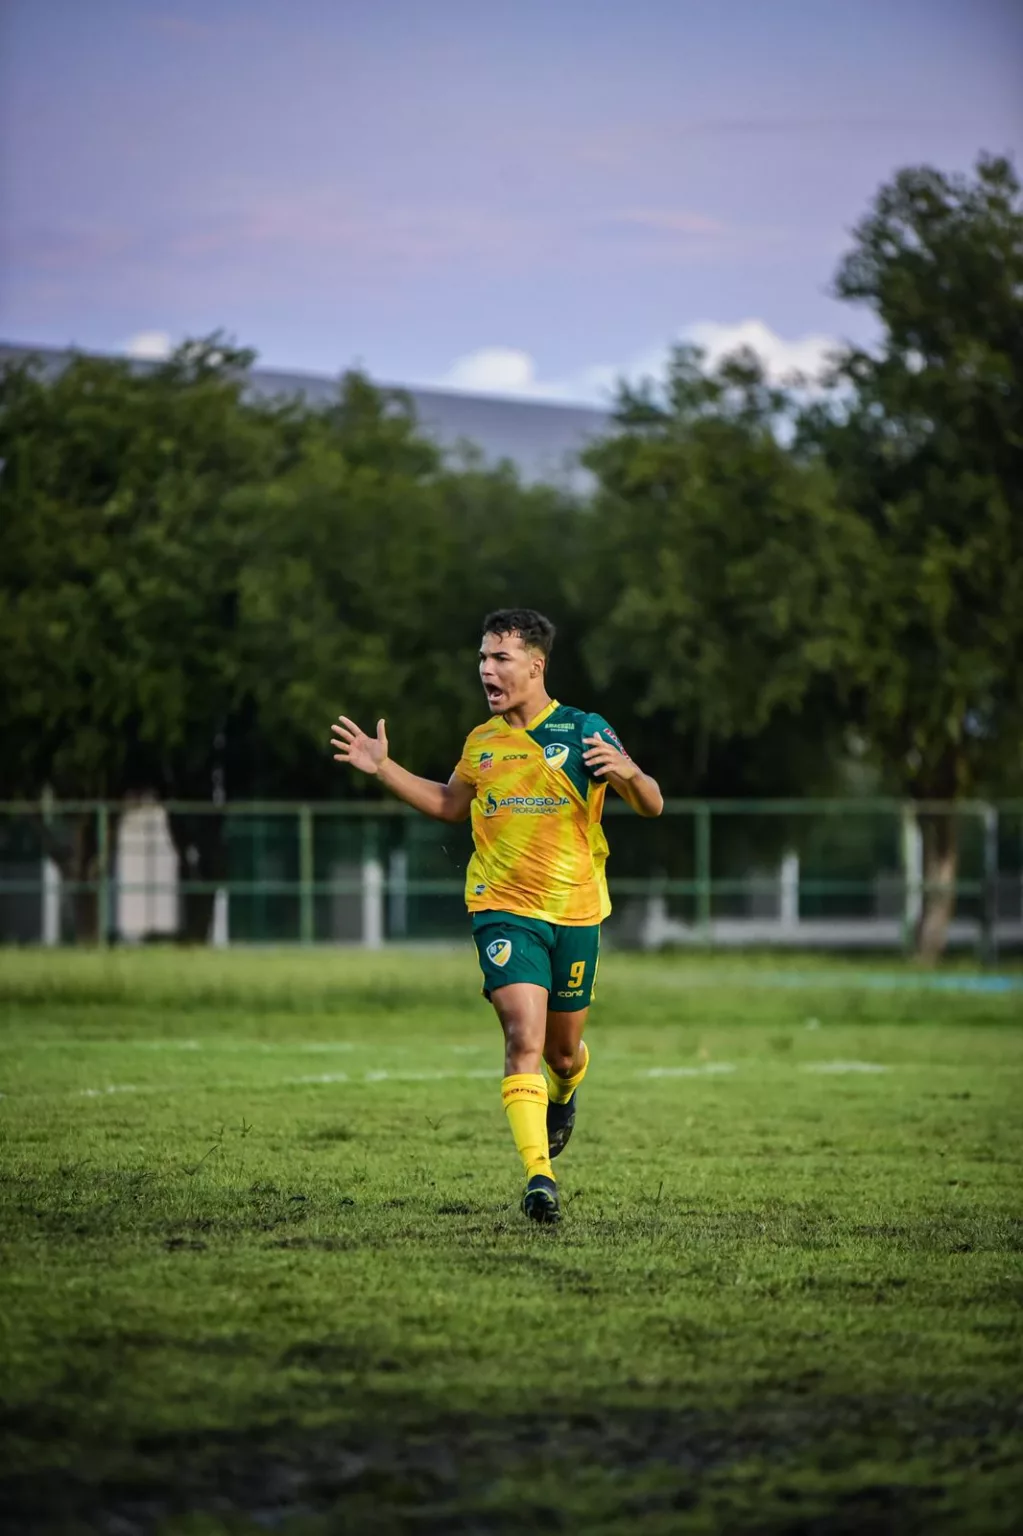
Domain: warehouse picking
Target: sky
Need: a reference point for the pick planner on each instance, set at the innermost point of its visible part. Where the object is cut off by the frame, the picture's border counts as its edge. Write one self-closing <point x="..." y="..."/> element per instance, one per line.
<point x="525" y="197"/>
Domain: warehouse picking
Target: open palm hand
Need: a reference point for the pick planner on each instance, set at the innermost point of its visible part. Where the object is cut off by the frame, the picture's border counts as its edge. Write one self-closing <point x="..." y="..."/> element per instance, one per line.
<point x="353" y="746"/>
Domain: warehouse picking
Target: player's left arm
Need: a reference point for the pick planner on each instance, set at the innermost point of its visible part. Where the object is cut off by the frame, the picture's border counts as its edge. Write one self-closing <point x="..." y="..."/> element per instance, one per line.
<point x="610" y="765"/>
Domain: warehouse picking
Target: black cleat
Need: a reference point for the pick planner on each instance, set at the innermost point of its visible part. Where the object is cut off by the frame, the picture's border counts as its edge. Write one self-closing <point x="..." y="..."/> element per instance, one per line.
<point x="540" y="1202"/>
<point x="560" y="1124"/>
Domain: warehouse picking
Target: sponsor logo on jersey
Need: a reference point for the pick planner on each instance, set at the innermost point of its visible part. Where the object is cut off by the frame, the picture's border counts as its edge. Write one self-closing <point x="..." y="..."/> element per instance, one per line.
<point x="525" y="805"/>
<point x="609" y="733"/>
<point x="556" y="755"/>
<point x="486" y="761"/>
<point x="564" y="725"/>
<point x="499" y="951"/>
<point x="515" y="757"/>
<point x="478" y="890"/>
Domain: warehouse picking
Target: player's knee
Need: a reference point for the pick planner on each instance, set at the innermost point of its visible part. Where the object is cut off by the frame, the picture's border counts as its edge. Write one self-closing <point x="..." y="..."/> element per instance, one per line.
<point x="521" y="1049"/>
<point x="561" y="1060"/>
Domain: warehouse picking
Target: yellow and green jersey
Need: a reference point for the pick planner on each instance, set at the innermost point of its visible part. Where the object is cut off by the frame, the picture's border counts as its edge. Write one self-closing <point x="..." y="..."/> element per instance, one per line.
<point x="540" y="849"/>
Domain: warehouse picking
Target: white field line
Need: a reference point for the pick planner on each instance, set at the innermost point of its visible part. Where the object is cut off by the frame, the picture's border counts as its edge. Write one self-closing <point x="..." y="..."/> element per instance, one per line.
<point x="311" y="1079"/>
<point x="709" y="1069"/>
<point x="198" y="1045"/>
<point x="215" y="1046"/>
<point x="843" y="1066"/>
<point x="315" y="1079"/>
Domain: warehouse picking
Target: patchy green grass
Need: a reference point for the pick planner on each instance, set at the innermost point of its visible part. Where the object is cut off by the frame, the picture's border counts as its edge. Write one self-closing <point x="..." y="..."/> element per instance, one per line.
<point x="264" y="1267"/>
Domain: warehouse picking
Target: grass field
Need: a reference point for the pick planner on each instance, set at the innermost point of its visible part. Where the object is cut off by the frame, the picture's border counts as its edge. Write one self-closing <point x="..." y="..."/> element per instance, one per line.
<point x="264" y="1267"/>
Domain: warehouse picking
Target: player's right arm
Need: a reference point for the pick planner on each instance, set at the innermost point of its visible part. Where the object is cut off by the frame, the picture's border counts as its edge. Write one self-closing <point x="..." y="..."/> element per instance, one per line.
<point x="445" y="802"/>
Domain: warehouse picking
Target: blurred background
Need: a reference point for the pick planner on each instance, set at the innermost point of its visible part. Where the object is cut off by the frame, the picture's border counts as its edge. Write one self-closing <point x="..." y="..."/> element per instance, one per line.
<point x="328" y="328"/>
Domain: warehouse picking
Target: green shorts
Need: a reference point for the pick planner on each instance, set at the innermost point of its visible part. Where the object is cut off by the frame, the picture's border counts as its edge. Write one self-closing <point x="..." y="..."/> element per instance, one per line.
<point x="563" y="960"/>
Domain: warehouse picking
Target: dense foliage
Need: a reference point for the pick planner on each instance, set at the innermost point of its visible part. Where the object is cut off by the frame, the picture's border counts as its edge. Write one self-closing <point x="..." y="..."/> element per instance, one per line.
<point x="194" y="582"/>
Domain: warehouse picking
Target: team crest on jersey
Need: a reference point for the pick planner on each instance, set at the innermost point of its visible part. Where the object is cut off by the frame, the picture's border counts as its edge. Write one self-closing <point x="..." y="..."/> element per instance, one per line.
<point x="499" y="952"/>
<point x="486" y="761"/>
<point x="556" y="755"/>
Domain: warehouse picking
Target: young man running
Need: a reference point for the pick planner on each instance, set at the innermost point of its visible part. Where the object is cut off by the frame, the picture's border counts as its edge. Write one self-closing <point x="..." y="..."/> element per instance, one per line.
<point x="533" y="778"/>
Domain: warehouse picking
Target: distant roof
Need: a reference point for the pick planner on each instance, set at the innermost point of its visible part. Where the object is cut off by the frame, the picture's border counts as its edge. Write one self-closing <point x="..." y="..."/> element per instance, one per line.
<point x="542" y="439"/>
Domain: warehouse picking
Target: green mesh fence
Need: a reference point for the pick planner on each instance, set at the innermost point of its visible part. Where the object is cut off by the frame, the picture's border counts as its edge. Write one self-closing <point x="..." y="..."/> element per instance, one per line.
<point x="835" y="873"/>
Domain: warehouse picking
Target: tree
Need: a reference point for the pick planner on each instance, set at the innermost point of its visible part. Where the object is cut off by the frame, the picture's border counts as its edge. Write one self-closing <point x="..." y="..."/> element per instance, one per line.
<point x="924" y="435"/>
<point x="192" y="582"/>
<point x="717" y="595"/>
<point x="723" y="570"/>
<point x="120" y="572"/>
<point x="372" y="569"/>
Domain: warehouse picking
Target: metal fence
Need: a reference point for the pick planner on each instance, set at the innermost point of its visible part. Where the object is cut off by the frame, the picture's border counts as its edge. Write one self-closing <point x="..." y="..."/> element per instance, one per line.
<point x="838" y="874"/>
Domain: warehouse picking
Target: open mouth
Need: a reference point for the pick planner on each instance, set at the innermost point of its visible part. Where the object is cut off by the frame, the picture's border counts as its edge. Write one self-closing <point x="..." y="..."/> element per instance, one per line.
<point x="494" y="694"/>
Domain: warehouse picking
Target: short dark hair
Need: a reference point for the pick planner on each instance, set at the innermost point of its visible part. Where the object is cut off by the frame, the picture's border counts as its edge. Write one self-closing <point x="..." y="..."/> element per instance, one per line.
<point x="535" y="631"/>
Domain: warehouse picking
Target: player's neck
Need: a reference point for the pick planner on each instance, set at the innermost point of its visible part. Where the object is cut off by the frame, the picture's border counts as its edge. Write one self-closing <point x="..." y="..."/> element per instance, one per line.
<point x="527" y="710"/>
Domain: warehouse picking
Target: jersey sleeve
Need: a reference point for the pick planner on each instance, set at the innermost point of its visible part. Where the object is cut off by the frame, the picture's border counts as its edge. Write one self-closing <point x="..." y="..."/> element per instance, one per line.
<point x="596" y="725"/>
<point x="465" y="767"/>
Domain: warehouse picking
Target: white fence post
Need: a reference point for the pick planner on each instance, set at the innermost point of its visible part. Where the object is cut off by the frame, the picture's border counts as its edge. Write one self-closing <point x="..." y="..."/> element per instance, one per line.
<point x="912" y="871"/>
<point x="372" y="903"/>
<point x="52" y="881"/>
<point x="789" y="879"/>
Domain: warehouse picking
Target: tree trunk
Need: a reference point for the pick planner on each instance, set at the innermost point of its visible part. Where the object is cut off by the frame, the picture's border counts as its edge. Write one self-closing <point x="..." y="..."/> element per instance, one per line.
<point x="202" y="855"/>
<point x="940" y="838"/>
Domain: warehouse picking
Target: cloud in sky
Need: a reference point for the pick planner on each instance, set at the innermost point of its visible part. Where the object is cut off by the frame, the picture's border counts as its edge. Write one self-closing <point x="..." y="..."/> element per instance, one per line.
<point x="808" y="355"/>
<point x="151" y="345"/>
<point x="512" y="372"/>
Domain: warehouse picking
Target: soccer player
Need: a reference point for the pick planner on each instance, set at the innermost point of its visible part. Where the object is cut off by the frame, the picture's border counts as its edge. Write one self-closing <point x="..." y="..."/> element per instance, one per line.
<point x="533" y="779"/>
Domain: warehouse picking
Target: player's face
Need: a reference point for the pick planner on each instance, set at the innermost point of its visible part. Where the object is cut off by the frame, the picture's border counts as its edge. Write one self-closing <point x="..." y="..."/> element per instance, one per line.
<point x="508" y="672"/>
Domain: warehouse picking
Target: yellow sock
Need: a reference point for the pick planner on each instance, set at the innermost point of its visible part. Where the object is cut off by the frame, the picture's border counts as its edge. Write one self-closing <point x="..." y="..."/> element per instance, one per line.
<point x="561" y="1089"/>
<point x="525" y="1101"/>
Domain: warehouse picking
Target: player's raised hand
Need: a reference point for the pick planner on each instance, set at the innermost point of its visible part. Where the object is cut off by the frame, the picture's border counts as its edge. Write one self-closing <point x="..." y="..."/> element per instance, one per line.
<point x="353" y="746"/>
<point x="603" y="759"/>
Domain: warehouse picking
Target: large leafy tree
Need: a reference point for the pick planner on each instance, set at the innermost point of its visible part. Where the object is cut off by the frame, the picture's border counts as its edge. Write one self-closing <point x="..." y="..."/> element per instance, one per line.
<point x="374" y="564"/>
<point x="717" y="597"/>
<point x="718" y="582"/>
<point x="193" y="582"/>
<point x="120" y="573"/>
<point x="924" y="435"/>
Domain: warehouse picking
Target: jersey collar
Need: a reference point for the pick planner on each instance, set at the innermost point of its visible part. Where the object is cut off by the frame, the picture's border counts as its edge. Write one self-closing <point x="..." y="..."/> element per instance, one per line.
<point x="539" y="719"/>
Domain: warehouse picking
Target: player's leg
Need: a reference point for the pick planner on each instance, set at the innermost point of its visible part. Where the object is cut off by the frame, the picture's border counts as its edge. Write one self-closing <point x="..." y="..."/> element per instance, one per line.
<point x="522" y="1010"/>
<point x="515" y="959"/>
<point x="564" y="1049"/>
<point x="574" y="963"/>
<point x="567" y="1058"/>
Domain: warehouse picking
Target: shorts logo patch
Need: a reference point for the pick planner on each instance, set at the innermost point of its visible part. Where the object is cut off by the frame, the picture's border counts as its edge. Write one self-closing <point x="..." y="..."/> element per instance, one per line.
<point x="499" y="951"/>
<point x="556" y="755"/>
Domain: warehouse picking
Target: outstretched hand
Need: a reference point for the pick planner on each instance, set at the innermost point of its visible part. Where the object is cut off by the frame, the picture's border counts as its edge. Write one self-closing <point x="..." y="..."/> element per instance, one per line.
<point x="604" y="760"/>
<point x="367" y="753"/>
